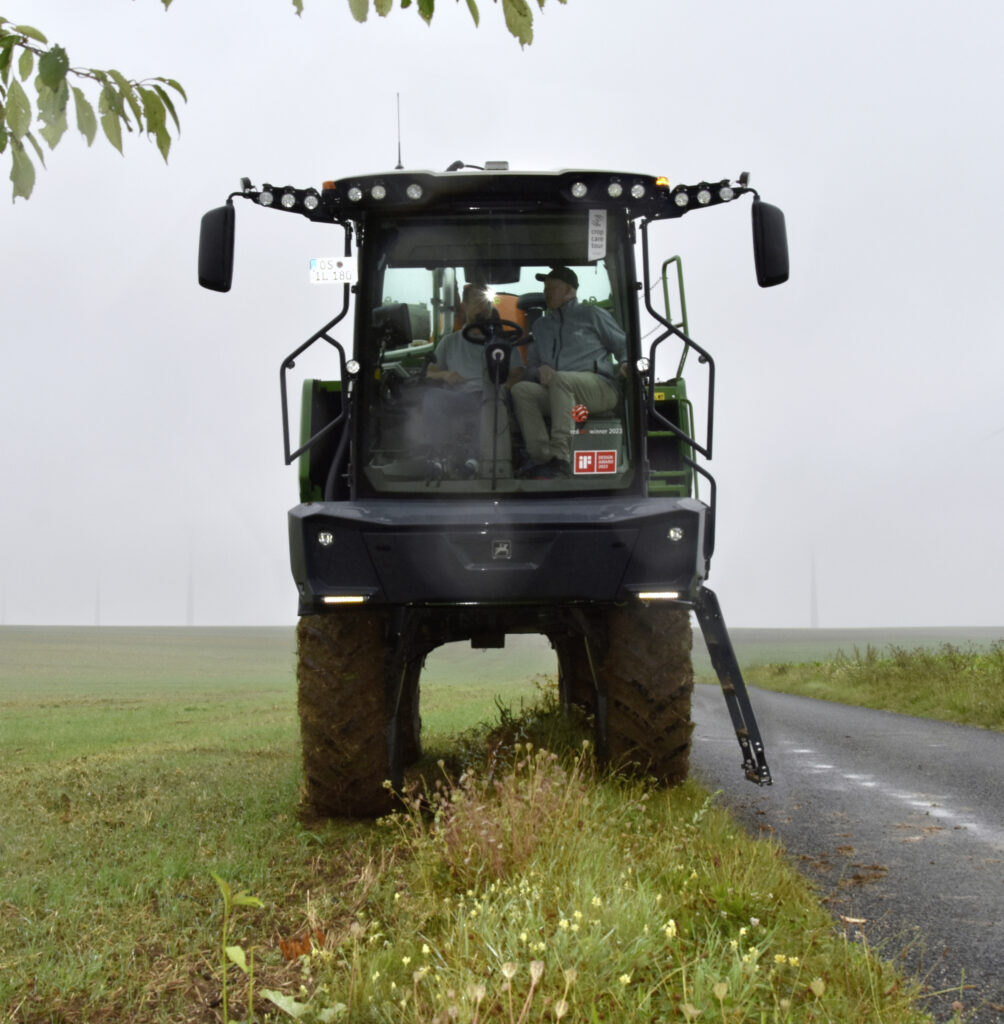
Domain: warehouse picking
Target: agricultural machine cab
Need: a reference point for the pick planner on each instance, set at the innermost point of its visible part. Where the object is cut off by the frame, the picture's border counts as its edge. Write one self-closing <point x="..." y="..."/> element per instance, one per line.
<point x="409" y="541"/>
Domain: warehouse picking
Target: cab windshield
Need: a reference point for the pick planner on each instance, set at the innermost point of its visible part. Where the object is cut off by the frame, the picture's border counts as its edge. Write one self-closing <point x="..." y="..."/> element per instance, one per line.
<point x="456" y="305"/>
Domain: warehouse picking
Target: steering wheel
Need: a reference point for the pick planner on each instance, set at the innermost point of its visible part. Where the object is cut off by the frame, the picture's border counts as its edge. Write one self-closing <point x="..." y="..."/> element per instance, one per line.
<point x="481" y="332"/>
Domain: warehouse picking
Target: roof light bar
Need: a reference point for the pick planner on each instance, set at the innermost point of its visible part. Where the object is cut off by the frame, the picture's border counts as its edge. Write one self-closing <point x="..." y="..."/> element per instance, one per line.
<point x="286" y="198"/>
<point x="639" y="195"/>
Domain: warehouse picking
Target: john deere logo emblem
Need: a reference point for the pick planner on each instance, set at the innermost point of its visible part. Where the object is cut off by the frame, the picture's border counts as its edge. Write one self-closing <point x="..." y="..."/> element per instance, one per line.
<point x="501" y="549"/>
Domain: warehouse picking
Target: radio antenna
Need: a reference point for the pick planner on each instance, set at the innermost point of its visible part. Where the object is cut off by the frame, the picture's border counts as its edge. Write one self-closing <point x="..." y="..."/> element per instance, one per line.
<point x="400" y="166"/>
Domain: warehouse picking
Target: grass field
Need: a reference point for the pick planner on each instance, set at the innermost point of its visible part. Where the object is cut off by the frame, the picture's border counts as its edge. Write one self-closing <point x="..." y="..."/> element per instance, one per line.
<point x="138" y="763"/>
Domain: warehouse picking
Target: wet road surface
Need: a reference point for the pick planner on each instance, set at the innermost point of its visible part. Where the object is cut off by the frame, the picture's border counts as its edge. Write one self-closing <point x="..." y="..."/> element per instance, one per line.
<point x="898" y="820"/>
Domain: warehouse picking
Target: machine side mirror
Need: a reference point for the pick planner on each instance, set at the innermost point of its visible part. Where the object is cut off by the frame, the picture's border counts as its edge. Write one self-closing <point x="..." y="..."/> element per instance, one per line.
<point x="770" y="244"/>
<point x="216" y="249"/>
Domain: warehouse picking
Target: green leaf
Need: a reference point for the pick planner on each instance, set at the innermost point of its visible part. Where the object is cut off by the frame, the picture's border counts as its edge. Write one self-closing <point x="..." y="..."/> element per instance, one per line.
<point x="236" y="956"/>
<point x="242" y="899"/>
<point x="22" y="171"/>
<point x="18" y="110"/>
<point x="287" y="1004"/>
<point x="53" y="130"/>
<point x="473" y="8"/>
<point x="156" y="120"/>
<point x="109" y="102"/>
<point x="169" y="104"/>
<point x="37" y="148"/>
<point x="427" y="8"/>
<point x="176" y="86"/>
<point x="112" y="127"/>
<point x="87" y="123"/>
<point x="519" y="20"/>
<point x="52" y="67"/>
<point x="224" y="887"/>
<point x="31" y="33"/>
<point x="360" y="9"/>
<point x="298" y="7"/>
<point x="126" y="92"/>
<point x="25" y="64"/>
<point x="52" y="102"/>
<point x="6" y="50"/>
<point x="4" y="136"/>
<point x="383" y="7"/>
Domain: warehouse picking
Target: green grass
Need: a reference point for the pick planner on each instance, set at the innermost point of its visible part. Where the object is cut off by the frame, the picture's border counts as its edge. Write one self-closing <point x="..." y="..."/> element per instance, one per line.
<point x="775" y="646"/>
<point x="137" y="763"/>
<point x="946" y="683"/>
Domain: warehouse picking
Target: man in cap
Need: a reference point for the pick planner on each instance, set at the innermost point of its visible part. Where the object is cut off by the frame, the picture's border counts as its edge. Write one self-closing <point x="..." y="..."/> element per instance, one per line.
<point x="568" y="364"/>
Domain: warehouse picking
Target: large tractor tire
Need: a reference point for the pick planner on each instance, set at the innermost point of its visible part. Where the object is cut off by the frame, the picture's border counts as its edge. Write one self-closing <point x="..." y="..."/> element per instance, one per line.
<point x="650" y="682"/>
<point x="343" y="716"/>
<point x="642" y="659"/>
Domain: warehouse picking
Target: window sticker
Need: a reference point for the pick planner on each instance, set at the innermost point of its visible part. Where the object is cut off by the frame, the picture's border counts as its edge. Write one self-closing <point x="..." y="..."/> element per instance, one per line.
<point x="597" y="234"/>
<point x="333" y="270"/>
<point x="595" y="462"/>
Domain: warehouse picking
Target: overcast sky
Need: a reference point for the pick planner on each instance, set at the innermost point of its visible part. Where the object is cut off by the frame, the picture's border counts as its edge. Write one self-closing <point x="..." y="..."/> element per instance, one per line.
<point x="859" y="420"/>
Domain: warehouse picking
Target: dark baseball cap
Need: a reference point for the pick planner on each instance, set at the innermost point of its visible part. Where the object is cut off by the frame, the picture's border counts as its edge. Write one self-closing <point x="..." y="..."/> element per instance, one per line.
<point x="565" y="274"/>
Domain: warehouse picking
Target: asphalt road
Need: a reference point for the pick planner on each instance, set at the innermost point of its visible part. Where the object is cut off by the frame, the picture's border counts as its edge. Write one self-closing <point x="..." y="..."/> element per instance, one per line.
<point x="899" y="820"/>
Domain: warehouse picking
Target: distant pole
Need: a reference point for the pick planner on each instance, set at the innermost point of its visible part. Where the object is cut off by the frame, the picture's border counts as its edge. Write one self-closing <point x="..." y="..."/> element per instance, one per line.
<point x="813" y="594"/>
<point x="400" y="166"/>
<point x="190" y="595"/>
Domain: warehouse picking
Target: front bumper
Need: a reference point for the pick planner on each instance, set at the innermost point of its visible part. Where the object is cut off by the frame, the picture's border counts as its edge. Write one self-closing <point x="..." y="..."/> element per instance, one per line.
<point x="433" y="552"/>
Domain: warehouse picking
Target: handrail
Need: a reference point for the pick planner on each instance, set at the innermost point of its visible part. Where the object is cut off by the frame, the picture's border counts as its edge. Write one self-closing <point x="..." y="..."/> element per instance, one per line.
<point x="689" y="343"/>
<point x="290" y="361"/>
<point x="682" y="323"/>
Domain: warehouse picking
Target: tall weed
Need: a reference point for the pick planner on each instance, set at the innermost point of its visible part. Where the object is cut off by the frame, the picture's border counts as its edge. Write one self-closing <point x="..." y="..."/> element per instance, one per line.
<point x="948" y="683"/>
<point x="536" y="887"/>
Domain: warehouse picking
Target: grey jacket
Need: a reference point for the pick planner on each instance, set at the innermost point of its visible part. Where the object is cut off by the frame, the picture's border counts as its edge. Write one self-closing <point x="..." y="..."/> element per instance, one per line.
<point x="575" y="337"/>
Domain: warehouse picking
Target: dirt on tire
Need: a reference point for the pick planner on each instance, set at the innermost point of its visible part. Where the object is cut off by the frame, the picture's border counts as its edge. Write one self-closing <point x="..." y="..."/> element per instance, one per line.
<point x="641" y="654"/>
<point x="650" y="683"/>
<point x="343" y="717"/>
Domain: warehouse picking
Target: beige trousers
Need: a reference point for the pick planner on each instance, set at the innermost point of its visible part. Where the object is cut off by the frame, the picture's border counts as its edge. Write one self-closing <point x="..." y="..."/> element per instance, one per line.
<point x="532" y="402"/>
